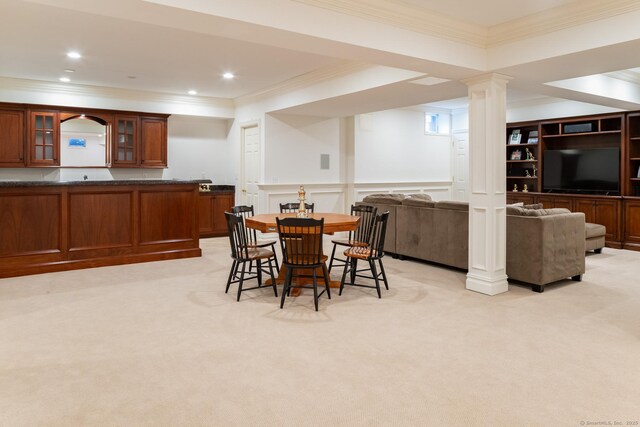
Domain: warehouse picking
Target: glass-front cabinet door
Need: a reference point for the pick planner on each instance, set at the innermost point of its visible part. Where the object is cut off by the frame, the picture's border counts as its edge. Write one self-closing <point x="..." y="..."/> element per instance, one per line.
<point x="125" y="144"/>
<point x="44" y="141"/>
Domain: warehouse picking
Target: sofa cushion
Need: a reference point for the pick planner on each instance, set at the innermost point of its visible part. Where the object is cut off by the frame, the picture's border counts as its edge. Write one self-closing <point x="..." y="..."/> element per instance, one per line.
<point x="592" y="230"/>
<point x="423" y="203"/>
<point x="454" y="206"/>
<point x="388" y="198"/>
<point x="522" y="211"/>
<point x="533" y="206"/>
<point x="420" y="196"/>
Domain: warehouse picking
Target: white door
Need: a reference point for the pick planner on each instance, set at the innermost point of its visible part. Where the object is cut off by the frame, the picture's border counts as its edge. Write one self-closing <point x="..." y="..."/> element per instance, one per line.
<point x="461" y="166"/>
<point x="250" y="166"/>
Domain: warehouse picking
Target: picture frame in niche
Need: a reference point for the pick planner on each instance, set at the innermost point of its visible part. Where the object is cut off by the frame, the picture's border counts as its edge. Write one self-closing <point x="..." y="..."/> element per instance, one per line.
<point x="77" y="143"/>
<point x="516" y="137"/>
<point x="516" y="154"/>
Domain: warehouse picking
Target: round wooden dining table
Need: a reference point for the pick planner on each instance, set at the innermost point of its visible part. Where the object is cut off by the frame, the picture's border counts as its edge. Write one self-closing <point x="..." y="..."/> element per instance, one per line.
<point x="333" y="223"/>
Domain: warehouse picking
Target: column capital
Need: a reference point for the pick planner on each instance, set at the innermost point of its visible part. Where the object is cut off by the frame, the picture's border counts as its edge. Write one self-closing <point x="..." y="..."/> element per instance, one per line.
<point x="487" y="78"/>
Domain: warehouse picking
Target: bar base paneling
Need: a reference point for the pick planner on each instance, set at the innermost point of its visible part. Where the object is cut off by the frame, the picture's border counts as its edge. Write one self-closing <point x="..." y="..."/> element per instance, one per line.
<point x="46" y="228"/>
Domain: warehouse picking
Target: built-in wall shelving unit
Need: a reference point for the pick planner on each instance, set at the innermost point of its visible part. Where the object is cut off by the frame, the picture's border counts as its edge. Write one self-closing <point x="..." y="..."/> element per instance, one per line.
<point x="618" y="211"/>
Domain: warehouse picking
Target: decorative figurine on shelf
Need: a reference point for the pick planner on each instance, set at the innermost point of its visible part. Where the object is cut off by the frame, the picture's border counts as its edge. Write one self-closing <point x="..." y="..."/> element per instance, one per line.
<point x="525" y="189"/>
<point x="515" y="188"/>
<point x="527" y="174"/>
<point x="529" y="154"/>
<point x="535" y="172"/>
<point x="302" y="211"/>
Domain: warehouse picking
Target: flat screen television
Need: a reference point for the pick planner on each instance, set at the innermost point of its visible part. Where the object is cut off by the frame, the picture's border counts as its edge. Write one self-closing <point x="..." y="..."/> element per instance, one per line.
<point x="590" y="171"/>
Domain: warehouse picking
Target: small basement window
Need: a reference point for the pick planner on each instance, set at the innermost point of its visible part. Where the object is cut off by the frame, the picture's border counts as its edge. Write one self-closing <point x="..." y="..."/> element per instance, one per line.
<point x="435" y="123"/>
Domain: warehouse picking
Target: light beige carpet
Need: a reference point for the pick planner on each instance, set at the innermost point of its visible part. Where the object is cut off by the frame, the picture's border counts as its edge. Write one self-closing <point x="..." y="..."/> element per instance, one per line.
<point x="160" y="344"/>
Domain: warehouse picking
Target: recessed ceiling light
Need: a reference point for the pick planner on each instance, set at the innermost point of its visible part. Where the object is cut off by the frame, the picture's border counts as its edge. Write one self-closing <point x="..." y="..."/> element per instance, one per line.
<point x="69" y="70"/>
<point x="228" y="76"/>
<point x="192" y="92"/>
<point x="65" y="79"/>
<point x="74" y="55"/>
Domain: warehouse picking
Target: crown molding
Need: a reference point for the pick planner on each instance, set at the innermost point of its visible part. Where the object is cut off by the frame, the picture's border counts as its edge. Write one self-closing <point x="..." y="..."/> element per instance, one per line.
<point x="70" y="94"/>
<point x="625" y="75"/>
<point x="403" y="15"/>
<point x="400" y="14"/>
<point x="302" y="81"/>
<point x="559" y="18"/>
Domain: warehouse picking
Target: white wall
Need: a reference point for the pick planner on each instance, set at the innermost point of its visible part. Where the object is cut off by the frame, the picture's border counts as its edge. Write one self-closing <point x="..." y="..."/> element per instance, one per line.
<point x="198" y="148"/>
<point x="293" y="147"/>
<point x="391" y="146"/>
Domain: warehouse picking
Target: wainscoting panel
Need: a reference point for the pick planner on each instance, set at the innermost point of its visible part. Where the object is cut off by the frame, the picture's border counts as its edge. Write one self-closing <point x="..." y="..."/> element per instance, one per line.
<point x="339" y="197"/>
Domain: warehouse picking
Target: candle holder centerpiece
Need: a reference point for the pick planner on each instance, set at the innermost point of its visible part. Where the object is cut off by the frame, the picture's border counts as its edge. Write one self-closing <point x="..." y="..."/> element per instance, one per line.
<point x="302" y="209"/>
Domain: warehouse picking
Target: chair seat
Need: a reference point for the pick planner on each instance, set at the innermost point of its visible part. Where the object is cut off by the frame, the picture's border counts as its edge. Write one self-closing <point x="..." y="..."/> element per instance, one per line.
<point x="258" y="253"/>
<point x="347" y="242"/>
<point x="361" y="252"/>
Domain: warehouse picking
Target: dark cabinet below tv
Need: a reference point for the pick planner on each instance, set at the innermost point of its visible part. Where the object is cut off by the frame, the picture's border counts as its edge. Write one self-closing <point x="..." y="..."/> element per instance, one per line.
<point x="604" y="210"/>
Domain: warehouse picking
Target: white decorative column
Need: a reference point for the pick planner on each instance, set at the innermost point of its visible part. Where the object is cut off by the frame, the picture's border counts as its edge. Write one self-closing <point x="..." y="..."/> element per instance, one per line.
<point x="487" y="201"/>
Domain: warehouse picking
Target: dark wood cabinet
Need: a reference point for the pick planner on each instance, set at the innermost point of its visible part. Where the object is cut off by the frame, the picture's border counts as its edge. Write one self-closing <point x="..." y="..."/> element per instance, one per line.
<point x="549" y="202"/>
<point x="12" y="125"/>
<point x="517" y="197"/>
<point x="604" y="212"/>
<point x="44" y="138"/>
<point x="153" y="146"/>
<point x="126" y="139"/>
<point x="632" y="224"/>
<point x="62" y="227"/>
<point x="212" y="208"/>
<point x="30" y="136"/>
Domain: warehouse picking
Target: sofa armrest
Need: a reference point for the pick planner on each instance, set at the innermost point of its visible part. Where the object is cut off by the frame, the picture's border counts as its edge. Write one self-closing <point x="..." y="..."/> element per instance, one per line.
<point x="545" y="249"/>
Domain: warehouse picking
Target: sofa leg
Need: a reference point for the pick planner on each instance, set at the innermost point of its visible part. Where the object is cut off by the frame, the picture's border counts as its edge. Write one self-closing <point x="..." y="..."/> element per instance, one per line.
<point x="597" y="251"/>
<point x="537" y="288"/>
<point x="577" y="278"/>
<point x="402" y="257"/>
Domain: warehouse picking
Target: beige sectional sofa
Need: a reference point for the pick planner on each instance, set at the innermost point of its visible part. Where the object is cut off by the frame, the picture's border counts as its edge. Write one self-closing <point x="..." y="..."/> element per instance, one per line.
<point x="543" y="245"/>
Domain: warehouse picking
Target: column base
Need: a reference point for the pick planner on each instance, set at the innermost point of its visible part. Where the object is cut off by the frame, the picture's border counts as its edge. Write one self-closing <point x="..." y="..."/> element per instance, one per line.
<point x="487" y="286"/>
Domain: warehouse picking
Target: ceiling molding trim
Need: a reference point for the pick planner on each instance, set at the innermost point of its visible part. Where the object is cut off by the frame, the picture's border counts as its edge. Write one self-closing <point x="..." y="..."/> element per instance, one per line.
<point x="302" y="81"/>
<point x="67" y="89"/>
<point x="559" y="18"/>
<point x="403" y="15"/>
<point x="27" y="91"/>
<point x="625" y="75"/>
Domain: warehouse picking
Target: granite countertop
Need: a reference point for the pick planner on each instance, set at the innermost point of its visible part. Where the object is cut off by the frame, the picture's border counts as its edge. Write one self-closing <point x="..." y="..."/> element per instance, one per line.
<point x="112" y="182"/>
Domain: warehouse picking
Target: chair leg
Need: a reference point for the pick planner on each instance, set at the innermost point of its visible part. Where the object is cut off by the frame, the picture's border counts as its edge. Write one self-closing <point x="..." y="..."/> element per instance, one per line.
<point x="333" y="254"/>
<point x="259" y="272"/>
<point x="384" y="275"/>
<point x="315" y="289"/>
<point x="244" y="265"/>
<point x="354" y="270"/>
<point x="285" y="288"/>
<point x="344" y="276"/>
<point x="275" y="256"/>
<point x="231" y="274"/>
<point x="325" y="272"/>
<point x="273" y="278"/>
<point x="374" y="272"/>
